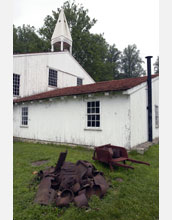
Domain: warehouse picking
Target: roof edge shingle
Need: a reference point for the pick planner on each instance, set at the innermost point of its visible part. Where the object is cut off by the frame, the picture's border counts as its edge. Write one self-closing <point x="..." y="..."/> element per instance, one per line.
<point x="113" y="85"/>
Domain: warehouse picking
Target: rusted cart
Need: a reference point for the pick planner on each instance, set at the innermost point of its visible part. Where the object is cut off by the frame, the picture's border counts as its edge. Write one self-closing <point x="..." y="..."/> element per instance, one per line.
<point x="113" y="155"/>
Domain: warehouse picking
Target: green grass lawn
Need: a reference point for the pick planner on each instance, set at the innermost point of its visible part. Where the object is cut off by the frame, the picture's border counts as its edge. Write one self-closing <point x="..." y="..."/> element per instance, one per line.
<point x="136" y="198"/>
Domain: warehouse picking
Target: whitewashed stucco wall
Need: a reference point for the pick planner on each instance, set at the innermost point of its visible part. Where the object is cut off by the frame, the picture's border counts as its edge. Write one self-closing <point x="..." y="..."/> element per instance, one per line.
<point x="64" y="121"/>
<point x="139" y="113"/>
<point x="33" y="71"/>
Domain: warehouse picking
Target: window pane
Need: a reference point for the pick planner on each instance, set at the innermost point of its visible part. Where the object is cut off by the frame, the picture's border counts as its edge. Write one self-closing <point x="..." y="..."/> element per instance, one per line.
<point x="89" y="123"/>
<point x="97" y="110"/>
<point x="24" y="115"/>
<point x="97" y="117"/>
<point x="16" y="84"/>
<point x="89" y="117"/>
<point x="93" y="104"/>
<point x="97" y="124"/>
<point x="52" y="81"/>
<point x="93" y="110"/>
<point x="93" y="117"/>
<point x="88" y="104"/>
<point x="88" y="110"/>
<point x="24" y="118"/>
<point x="93" y="123"/>
<point x="156" y="116"/>
<point x="97" y="104"/>
<point x="79" y="81"/>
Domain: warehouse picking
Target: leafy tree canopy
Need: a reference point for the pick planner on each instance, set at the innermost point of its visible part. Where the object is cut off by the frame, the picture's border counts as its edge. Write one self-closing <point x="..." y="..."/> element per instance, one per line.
<point x="101" y="60"/>
<point x="156" y="66"/>
<point x="131" y="62"/>
<point x="25" y="40"/>
<point x="90" y="50"/>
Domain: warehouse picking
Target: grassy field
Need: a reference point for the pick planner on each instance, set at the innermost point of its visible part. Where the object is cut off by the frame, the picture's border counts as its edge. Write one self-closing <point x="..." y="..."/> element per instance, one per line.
<point x="136" y="198"/>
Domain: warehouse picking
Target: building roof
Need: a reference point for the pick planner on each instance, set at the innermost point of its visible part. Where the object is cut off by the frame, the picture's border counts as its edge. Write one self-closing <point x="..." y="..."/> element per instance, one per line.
<point x="61" y="29"/>
<point x="106" y="86"/>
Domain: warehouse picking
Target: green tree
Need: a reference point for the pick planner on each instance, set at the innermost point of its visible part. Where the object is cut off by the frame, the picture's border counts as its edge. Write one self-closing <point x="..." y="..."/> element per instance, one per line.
<point x="25" y="40"/>
<point x="16" y="43"/>
<point x="95" y="55"/>
<point x="92" y="51"/>
<point x="156" y="66"/>
<point x="77" y="18"/>
<point x="131" y="63"/>
<point x="113" y="60"/>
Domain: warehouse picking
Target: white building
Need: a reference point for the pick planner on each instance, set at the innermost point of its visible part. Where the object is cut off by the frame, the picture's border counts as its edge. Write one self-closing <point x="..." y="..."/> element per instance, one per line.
<point x="112" y="112"/>
<point x="40" y="72"/>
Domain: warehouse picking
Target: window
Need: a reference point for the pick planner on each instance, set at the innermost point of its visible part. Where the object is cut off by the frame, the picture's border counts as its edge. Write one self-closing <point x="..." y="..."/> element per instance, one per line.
<point x="156" y="116"/>
<point x="52" y="81"/>
<point x="93" y="114"/>
<point x="24" y="116"/>
<point x="79" y="81"/>
<point x="16" y="84"/>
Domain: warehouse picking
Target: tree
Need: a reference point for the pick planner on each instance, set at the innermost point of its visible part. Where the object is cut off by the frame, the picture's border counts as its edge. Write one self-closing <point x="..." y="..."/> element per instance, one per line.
<point x="91" y="50"/>
<point x="78" y="21"/>
<point x="131" y="63"/>
<point x="113" y="59"/>
<point x="25" y="40"/>
<point x="94" y="54"/>
<point x="156" y="66"/>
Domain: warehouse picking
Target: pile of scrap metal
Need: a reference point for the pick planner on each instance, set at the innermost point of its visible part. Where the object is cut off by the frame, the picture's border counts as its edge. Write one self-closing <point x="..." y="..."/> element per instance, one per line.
<point x="114" y="155"/>
<point x="69" y="182"/>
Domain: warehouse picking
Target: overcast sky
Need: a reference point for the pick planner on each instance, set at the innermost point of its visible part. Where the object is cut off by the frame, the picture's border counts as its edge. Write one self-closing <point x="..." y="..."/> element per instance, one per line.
<point x="123" y="22"/>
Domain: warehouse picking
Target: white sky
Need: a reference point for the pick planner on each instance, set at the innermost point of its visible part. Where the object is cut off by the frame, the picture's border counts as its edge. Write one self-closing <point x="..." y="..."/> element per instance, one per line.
<point x="123" y="22"/>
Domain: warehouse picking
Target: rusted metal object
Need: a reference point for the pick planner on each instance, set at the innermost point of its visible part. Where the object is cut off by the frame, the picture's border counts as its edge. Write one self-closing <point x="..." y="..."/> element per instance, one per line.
<point x="113" y="155"/>
<point x="81" y="200"/>
<point x="65" y="198"/>
<point x="69" y="182"/>
<point x="45" y="194"/>
<point x="61" y="160"/>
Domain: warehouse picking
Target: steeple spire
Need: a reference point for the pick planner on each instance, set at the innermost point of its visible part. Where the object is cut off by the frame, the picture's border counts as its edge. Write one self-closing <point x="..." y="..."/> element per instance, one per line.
<point x="61" y="37"/>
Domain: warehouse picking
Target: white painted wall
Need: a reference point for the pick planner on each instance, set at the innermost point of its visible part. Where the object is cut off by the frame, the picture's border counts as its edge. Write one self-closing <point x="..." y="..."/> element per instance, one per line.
<point x="123" y="119"/>
<point x="139" y="118"/>
<point x="34" y="69"/>
<point x="155" y="101"/>
<point x="64" y="121"/>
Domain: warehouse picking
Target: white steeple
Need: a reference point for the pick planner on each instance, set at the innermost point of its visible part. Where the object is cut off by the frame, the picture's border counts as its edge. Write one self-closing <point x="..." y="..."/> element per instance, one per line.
<point x="61" y="36"/>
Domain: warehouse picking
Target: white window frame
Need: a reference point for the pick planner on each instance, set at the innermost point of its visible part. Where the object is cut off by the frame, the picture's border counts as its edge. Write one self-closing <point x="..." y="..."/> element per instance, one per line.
<point x="50" y="68"/>
<point x="16" y="95"/>
<point x="86" y="116"/>
<point x="156" y="116"/>
<point x="24" y="125"/>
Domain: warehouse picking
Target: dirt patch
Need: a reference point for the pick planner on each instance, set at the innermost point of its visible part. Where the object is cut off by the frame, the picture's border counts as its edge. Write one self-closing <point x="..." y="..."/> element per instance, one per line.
<point x="39" y="163"/>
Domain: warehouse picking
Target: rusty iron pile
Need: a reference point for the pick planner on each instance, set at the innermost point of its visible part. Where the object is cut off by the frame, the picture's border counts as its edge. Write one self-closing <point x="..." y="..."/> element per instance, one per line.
<point x="69" y="182"/>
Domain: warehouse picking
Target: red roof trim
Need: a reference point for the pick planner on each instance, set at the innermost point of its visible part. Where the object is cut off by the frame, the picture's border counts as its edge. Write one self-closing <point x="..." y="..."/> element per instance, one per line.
<point x="113" y="85"/>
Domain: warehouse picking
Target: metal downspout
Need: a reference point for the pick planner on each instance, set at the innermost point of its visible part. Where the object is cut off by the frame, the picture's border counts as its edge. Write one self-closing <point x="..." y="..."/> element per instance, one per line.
<point x="149" y="107"/>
